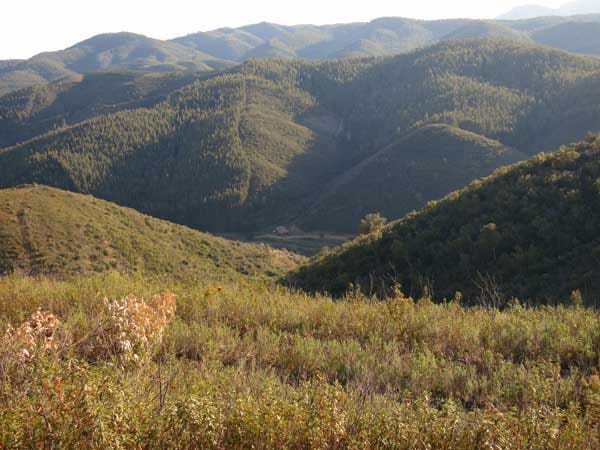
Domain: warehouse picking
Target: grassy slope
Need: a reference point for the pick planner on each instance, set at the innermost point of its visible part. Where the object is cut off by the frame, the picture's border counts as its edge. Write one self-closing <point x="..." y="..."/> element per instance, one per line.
<point x="530" y="228"/>
<point x="45" y="230"/>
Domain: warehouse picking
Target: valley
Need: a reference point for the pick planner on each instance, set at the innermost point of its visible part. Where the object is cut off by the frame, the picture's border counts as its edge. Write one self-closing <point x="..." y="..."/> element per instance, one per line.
<point x="369" y="235"/>
<point x="317" y="145"/>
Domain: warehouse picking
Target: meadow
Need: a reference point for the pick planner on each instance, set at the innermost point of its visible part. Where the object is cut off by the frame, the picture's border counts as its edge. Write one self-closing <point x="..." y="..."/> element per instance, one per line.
<point x="249" y="364"/>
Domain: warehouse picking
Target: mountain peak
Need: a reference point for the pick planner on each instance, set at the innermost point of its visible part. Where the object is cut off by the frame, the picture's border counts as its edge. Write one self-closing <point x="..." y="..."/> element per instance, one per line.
<point x="528" y="12"/>
<point x="577" y="7"/>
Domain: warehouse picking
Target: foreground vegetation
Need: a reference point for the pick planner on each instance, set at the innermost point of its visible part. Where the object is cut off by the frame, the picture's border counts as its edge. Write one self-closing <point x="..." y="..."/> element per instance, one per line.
<point x="250" y="365"/>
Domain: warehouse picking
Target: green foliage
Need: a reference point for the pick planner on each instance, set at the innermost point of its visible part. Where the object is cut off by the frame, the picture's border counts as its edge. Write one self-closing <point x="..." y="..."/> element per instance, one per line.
<point x="318" y="144"/>
<point x="31" y="112"/>
<point x="528" y="231"/>
<point x="371" y="223"/>
<point x="248" y="365"/>
<point x="405" y="175"/>
<point x="48" y="231"/>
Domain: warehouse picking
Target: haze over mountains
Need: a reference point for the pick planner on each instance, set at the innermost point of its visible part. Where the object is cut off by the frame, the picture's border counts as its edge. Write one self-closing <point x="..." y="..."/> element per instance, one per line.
<point x="568" y="9"/>
<point x="218" y="49"/>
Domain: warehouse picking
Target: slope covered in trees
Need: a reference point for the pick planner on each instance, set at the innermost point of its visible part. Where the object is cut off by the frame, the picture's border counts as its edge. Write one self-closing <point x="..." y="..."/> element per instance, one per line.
<point x="227" y="46"/>
<point x="380" y="37"/>
<point x="263" y="144"/>
<point x="33" y="111"/>
<point x="528" y="231"/>
<point x="49" y="231"/>
<point x="114" y="51"/>
<point x="401" y="177"/>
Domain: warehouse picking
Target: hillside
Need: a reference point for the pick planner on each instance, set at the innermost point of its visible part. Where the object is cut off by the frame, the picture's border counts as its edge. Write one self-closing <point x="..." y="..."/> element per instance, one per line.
<point x="576" y="7"/>
<point x="105" y="52"/>
<point x="403" y="176"/>
<point x="48" y="231"/>
<point x="574" y="37"/>
<point x="488" y="30"/>
<point x="36" y="110"/>
<point x="260" y="145"/>
<point x="222" y="48"/>
<point x="380" y="37"/>
<point x="15" y="75"/>
<point x="529" y="231"/>
<point x="127" y="51"/>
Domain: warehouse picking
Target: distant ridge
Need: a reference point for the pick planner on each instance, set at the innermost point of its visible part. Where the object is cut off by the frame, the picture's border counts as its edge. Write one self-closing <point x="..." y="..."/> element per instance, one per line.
<point x="577" y="7"/>
<point x="528" y="12"/>
<point x="225" y="47"/>
<point x="106" y="52"/>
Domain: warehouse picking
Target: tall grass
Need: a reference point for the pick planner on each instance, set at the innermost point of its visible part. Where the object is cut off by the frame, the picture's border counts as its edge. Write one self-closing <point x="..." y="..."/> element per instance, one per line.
<point x="250" y="365"/>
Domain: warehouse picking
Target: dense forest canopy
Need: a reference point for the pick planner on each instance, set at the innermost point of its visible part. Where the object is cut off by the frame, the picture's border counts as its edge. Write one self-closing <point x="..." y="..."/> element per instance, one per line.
<point x="276" y="141"/>
<point x="528" y="231"/>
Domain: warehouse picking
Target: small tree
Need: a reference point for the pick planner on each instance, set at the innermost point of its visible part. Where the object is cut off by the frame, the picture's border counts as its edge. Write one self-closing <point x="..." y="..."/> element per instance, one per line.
<point x="490" y="238"/>
<point x="371" y="223"/>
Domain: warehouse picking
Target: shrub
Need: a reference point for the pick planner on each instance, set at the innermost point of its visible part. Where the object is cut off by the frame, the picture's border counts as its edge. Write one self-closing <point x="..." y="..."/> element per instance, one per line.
<point x="371" y="223"/>
<point x="129" y="328"/>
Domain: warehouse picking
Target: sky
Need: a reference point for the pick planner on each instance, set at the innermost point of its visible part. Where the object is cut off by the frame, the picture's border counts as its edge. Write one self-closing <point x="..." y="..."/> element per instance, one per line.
<point x="32" y="26"/>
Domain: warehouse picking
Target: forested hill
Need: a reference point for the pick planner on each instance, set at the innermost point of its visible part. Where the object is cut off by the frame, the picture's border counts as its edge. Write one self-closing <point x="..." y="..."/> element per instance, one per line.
<point x="528" y="231"/>
<point x="275" y="141"/>
<point x="105" y="52"/>
<point x="380" y="37"/>
<point x="51" y="232"/>
<point x="36" y="110"/>
<point x="401" y="176"/>
<point x="213" y="50"/>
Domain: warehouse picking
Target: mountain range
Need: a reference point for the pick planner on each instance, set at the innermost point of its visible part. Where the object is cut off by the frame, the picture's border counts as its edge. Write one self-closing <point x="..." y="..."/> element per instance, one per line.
<point x="577" y="7"/>
<point x="222" y="48"/>
<point x="453" y="166"/>
<point x="279" y="141"/>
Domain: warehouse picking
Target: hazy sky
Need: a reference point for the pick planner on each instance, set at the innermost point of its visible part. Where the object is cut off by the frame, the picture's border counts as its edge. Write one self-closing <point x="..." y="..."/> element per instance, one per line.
<point x="31" y="26"/>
